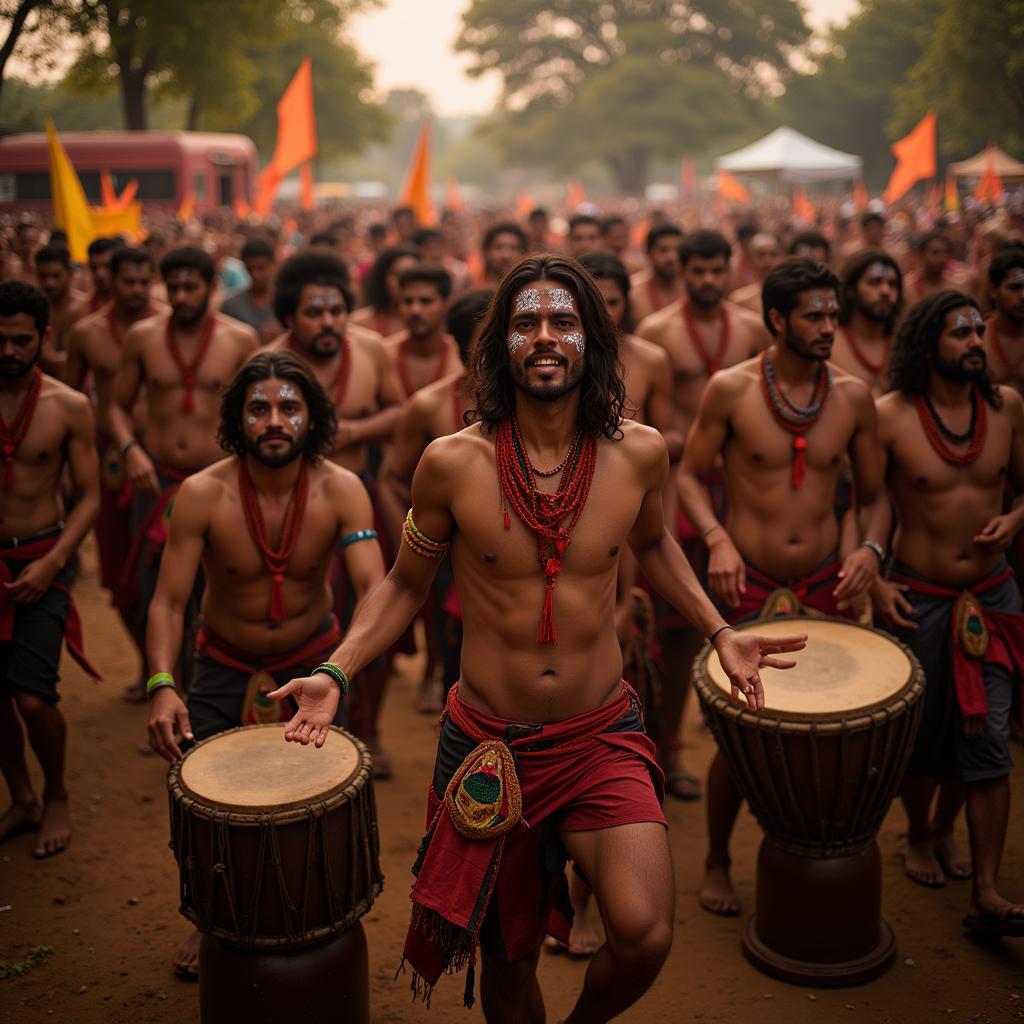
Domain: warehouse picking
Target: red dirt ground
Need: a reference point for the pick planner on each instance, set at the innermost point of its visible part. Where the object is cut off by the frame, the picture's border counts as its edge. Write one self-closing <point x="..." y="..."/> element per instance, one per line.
<point x="111" y="955"/>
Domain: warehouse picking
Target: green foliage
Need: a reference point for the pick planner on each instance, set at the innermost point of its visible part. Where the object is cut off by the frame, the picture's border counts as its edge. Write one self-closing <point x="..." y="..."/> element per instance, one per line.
<point x="848" y="100"/>
<point x="628" y="81"/>
<point x="972" y="75"/>
<point x="33" y="958"/>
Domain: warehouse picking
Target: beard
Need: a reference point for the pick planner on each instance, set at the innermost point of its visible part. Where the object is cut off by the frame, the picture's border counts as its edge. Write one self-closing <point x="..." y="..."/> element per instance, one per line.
<point x="706" y="297"/>
<point x="800" y="348"/>
<point x="960" y="371"/>
<point x="547" y="391"/>
<point x="189" y="316"/>
<point x="324" y="345"/>
<point x="15" y="369"/>
<point x="876" y="312"/>
<point x="275" y="459"/>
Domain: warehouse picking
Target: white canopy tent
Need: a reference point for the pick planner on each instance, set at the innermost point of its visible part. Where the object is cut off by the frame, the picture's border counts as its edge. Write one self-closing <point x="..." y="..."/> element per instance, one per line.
<point x="791" y="158"/>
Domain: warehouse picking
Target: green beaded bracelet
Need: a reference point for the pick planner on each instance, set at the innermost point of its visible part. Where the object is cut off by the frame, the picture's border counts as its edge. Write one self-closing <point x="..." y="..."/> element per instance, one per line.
<point x="158" y="680"/>
<point x="337" y="674"/>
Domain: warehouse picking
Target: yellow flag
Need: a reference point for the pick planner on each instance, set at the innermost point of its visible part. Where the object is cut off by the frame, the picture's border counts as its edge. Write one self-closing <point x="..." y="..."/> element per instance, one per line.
<point x="124" y="220"/>
<point x="70" y="209"/>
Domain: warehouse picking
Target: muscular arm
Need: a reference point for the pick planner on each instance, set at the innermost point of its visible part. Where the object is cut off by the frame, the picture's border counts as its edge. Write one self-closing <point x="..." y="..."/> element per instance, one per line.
<point x="659" y="405"/>
<point x="126" y="391"/>
<point x="704" y="443"/>
<point x="364" y="562"/>
<point x="75" y="365"/>
<point x="84" y="467"/>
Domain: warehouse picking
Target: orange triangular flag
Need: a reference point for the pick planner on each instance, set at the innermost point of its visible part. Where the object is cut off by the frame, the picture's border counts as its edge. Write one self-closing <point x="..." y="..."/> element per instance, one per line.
<point x="575" y="195"/>
<point x="989" y="187"/>
<point x="952" y="202"/>
<point x="915" y="159"/>
<point x="307" y="197"/>
<point x="296" y="122"/>
<point x="524" y="204"/>
<point x="452" y="199"/>
<point x="187" y="207"/>
<point x="266" y="188"/>
<point x="860" y="195"/>
<point x="108" y="195"/>
<point x="416" y="192"/>
<point x="242" y="208"/>
<point x="127" y="197"/>
<point x="803" y="207"/>
<point x="730" y="188"/>
<point x="638" y="233"/>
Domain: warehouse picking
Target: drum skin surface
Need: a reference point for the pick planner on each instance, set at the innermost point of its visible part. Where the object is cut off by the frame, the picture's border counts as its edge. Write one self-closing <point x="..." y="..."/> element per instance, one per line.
<point x="276" y="842"/>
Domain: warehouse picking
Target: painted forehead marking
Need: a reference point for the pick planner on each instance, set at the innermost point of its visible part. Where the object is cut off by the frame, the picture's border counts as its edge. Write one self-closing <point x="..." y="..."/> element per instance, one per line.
<point x="287" y="391"/>
<point x="1016" y="276"/>
<point x="575" y="338"/>
<point x="880" y="269"/>
<point x="516" y="341"/>
<point x="332" y="297"/>
<point x="181" y="276"/>
<point x="258" y="392"/>
<point x="817" y="302"/>
<point x="972" y="319"/>
<point x="529" y="300"/>
<point x="561" y="298"/>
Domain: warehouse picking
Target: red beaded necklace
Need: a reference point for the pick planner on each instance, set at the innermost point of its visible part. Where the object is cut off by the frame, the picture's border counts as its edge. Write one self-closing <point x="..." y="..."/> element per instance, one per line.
<point x="712" y="363"/>
<point x="11" y="436"/>
<point x="794" y="418"/>
<point x="275" y="561"/>
<point x="545" y="514"/>
<point x="872" y="368"/>
<point x="340" y="387"/>
<point x="188" y="370"/>
<point x="403" y="368"/>
<point x="936" y="431"/>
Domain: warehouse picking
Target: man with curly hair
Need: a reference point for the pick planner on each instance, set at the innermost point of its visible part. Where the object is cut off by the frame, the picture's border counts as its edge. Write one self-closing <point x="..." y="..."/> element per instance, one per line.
<point x="953" y="440"/>
<point x="542" y="750"/>
<point x="264" y="524"/>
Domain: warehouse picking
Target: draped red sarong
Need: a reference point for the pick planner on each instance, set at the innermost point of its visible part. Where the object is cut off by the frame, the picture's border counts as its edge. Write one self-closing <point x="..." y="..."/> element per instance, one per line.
<point x="814" y="592"/>
<point x="217" y="649"/>
<point x="113" y="524"/>
<point x="72" y="630"/>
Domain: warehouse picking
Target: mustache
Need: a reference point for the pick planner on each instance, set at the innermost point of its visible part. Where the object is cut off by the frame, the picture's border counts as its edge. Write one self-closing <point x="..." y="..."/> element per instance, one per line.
<point x="273" y="435"/>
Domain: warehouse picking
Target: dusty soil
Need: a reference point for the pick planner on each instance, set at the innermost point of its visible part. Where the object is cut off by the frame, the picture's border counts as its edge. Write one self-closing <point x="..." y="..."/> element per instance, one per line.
<point x="108" y="906"/>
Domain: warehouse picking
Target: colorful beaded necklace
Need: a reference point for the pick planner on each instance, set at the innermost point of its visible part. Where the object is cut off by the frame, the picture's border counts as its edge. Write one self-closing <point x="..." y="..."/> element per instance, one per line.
<point x="938" y="433"/>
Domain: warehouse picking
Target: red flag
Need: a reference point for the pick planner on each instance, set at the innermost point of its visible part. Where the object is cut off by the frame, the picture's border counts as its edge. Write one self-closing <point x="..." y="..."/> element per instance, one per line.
<point x="307" y="197"/>
<point x="416" y="192"/>
<point x="989" y="187"/>
<point x="915" y="159"/>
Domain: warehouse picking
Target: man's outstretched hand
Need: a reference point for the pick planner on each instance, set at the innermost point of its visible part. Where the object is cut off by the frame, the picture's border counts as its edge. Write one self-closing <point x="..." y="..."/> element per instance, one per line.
<point x="317" y="697"/>
<point x="743" y="654"/>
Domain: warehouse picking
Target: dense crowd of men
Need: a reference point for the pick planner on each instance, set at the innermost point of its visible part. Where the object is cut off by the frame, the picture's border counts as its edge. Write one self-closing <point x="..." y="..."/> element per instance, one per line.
<point x="259" y="420"/>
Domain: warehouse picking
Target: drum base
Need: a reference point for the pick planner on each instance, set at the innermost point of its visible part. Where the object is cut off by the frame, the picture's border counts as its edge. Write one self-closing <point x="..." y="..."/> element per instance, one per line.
<point x="327" y="982"/>
<point x="819" y="919"/>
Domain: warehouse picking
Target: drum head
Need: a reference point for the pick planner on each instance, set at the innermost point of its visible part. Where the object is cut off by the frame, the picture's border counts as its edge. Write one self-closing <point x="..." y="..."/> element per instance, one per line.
<point x="844" y="668"/>
<point x="255" y="768"/>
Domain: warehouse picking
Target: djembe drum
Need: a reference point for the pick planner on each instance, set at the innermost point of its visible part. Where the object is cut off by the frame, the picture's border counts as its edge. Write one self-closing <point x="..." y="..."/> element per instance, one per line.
<point x="278" y="855"/>
<point x="819" y="767"/>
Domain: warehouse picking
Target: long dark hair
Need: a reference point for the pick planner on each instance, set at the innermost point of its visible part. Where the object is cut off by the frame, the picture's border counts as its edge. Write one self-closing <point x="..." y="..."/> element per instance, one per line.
<point x="323" y="422"/>
<point x="853" y="270"/>
<point x="917" y="341"/>
<point x="376" y="286"/>
<point x="602" y="392"/>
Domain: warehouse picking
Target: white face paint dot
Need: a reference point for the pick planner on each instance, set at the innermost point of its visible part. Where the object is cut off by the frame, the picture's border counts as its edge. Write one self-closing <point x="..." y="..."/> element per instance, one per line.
<point x="251" y="420"/>
<point x="575" y="338"/>
<point x="296" y="421"/>
<point x="516" y="341"/>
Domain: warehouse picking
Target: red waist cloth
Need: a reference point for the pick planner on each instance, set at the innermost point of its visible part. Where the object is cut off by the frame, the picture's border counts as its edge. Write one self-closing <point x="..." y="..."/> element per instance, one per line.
<point x="73" y="628"/>
<point x="152" y="531"/>
<point x="814" y="592"/>
<point x="113" y="524"/>
<point x="217" y="649"/>
<point x="1005" y="646"/>
<point x="457" y="876"/>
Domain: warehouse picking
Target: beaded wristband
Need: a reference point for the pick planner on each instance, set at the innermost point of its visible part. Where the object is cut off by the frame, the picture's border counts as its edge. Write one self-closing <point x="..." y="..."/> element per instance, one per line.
<point x="420" y="543"/>
<point x="157" y="681"/>
<point x="356" y="536"/>
<point x="876" y="548"/>
<point x="328" y="668"/>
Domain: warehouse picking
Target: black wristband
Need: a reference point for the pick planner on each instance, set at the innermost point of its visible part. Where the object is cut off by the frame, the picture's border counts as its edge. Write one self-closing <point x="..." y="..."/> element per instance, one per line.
<point x="711" y="639"/>
<point x="128" y="446"/>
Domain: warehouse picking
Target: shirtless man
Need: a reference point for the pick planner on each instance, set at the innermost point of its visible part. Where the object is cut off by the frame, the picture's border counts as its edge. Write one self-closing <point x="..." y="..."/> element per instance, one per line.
<point x="662" y="282"/>
<point x="872" y="235"/>
<point x="254" y="304"/>
<point x="936" y="270"/>
<point x="1004" y="329"/>
<point x="95" y="347"/>
<point x="764" y="253"/>
<point x="100" y="253"/>
<point x="277" y="424"/>
<point x="584" y="235"/>
<point x="953" y="440"/>
<point x="424" y="352"/>
<point x="703" y="332"/>
<point x="46" y="427"/>
<point x="183" y="359"/>
<point x="539" y="647"/>
<point x="67" y="307"/>
<point x="782" y="463"/>
<point x="21" y="267"/>
<point x="503" y="246"/>
<point x="615" y="236"/>
<point x="811" y="245"/>
<point x="381" y="313"/>
<point x="869" y="308"/>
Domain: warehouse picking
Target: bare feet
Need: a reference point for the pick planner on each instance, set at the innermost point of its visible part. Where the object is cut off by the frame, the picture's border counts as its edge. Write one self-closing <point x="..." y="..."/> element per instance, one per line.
<point x="186" y="963"/>
<point x="584" y="939"/>
<point x="922" y="866"/>
<point x="994" y="915"/>
<point x="717" y="894"/>
<point x="954" y="862"/>
<point x="19" y="819"/>
<point x="54" y="828"/>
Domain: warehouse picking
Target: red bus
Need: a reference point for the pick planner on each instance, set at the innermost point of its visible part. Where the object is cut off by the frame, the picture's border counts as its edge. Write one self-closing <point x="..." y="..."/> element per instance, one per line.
<point x="216" y="168"/>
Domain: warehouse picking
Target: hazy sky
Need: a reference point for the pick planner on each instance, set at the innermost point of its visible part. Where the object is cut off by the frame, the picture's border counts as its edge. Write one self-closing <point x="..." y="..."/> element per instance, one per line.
<point x="411" y="42"/>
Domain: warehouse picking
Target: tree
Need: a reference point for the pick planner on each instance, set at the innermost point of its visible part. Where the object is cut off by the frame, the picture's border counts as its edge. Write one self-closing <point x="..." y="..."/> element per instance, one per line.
<point x="628" y="81"/>
<point x="847" y="101"/>
<point x="971" y="74"/>
<point x="31" y="29"/>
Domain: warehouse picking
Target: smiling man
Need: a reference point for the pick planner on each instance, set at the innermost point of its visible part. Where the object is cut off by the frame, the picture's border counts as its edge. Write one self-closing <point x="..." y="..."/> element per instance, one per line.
<point x="535" y="501"/>
<point x="263" y="524"/>
<point x="782" y="425"/>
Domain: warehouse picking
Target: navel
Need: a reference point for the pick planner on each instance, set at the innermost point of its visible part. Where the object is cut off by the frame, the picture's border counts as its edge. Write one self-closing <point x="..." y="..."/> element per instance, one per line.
<point x="614" y="551"/>
<point x="490" y="557"/>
